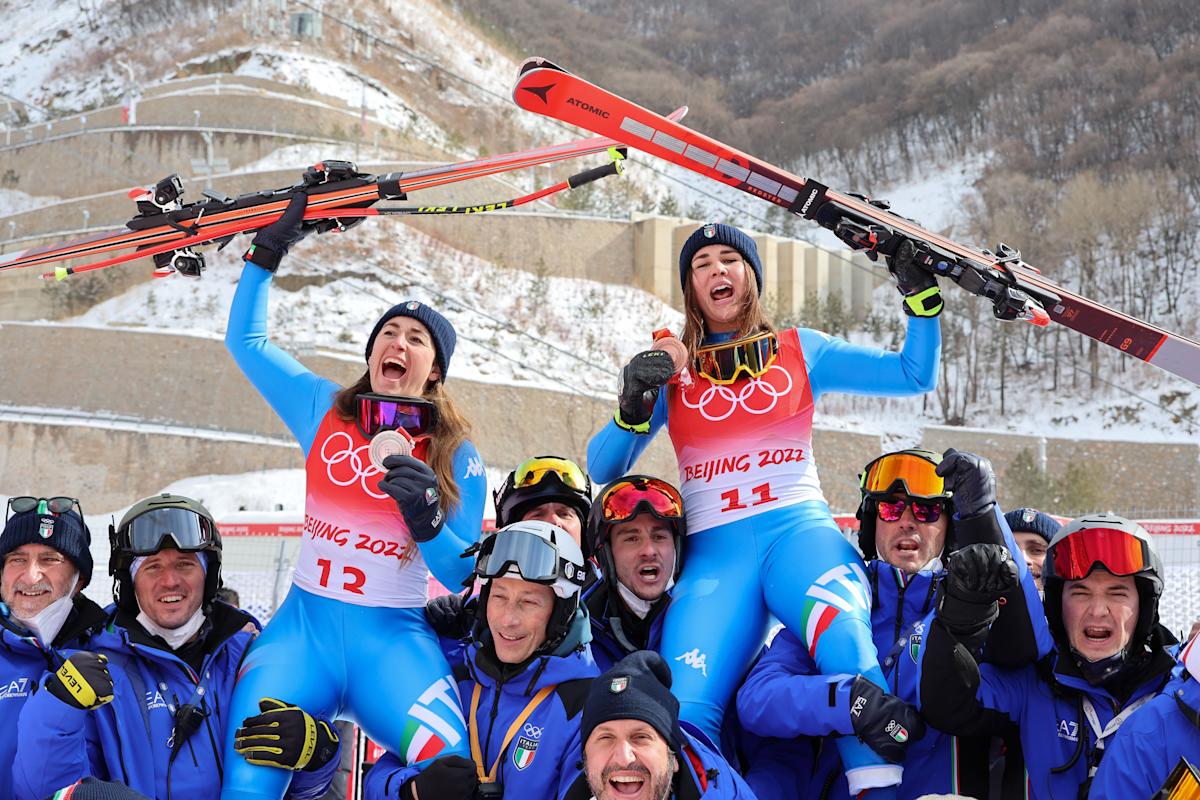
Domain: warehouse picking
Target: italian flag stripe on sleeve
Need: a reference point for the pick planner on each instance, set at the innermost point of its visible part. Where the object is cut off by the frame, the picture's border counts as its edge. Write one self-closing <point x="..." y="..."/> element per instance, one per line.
<point x="420" y="743"/>
<point x="817" y="618"/>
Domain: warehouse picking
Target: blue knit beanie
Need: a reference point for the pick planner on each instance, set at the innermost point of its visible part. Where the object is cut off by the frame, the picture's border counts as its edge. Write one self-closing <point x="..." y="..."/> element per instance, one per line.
<point x="66" y="533"/>
<point x="636" y="687"/>
<point x="444" y="337"/>
<point x="1030" y="520"/>
<point x="720" y="233"/>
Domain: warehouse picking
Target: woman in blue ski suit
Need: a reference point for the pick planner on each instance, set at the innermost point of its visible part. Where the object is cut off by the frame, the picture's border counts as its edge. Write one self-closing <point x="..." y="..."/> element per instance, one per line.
<point x="351" y="640"/>
<point x="761" y="538"/>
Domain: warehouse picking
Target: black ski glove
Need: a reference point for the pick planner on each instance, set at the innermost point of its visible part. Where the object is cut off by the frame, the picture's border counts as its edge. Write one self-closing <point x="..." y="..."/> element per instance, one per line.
<point x="272" y="243"/>
<point x="286" y="737"/>
<point x="82" y="681"/>
<point x="643" y="376"/>
<point x="447" y="778"/>
<point x="451" y="615"/>
<point x="971" y="481"/>
<point x="922" y="297"/>
<point x="977" y="576"/>
<point x="887" y="724"/>
<point x="414" y="487"/>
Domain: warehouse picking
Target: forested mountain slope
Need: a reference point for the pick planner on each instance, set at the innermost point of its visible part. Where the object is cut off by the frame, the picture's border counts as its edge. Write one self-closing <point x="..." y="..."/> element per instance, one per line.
<point x="1085" y="112"/>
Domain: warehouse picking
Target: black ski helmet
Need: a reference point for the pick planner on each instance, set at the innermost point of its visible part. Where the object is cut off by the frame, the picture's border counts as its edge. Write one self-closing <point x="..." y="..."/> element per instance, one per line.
<point x="598" y="528"/>
<point x="1148" y="581"/>
<point x="866" y="513"/>
<point x="170" y="521"/>
<point x="570" y="573"/>
<point x="513" y="501"/>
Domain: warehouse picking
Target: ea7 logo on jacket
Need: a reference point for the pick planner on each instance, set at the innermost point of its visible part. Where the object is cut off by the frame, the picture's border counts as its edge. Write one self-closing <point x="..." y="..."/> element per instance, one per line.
<point x="18" y="687"/>
<point x="154" y="700"/>
<point x="1069" y="730"/>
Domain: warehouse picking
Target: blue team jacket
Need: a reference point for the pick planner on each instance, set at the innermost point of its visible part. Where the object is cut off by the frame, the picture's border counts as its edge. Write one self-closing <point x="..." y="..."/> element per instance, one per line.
<point x="609" y="642"/>
<point x="786" y="697"/>
<point x="23" y="661"/>
<point x="1150" y="743"/>
<point x="1045" y="700"/>
<point x="540" y="760"/>
<point x="129" y="739"/>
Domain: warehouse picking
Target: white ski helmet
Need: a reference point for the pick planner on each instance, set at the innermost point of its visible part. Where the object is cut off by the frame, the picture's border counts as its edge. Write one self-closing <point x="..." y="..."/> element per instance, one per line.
<point x="537" y="552"/>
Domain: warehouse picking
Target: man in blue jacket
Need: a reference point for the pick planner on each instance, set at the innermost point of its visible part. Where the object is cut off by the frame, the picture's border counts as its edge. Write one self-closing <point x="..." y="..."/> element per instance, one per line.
<point x="637" y="531"/>
<point x="46" y="564"/>
<point x="916" y="508"/>
<point x="1102" y="580"/>
<point x="635" y="748"/>
<point x="145" y="703"/>
<point x="1152" y="742"/>
<point x="521" y="682"/>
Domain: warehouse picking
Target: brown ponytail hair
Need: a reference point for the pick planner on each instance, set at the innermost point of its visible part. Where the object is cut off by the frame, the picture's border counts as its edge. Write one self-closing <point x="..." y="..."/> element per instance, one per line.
<point x="451" y="431"/>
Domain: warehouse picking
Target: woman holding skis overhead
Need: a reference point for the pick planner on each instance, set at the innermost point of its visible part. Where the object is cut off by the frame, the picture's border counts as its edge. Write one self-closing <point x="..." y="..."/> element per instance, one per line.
<point x="350" y="639"/>
<point x="760" y="535"/>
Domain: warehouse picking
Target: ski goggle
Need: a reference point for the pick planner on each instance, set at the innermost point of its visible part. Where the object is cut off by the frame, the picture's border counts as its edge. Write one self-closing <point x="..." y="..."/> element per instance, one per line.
<point x="904" y="472"/>
<point x="923" y="511"/>
<point x="535" y="558"/>
<point x="627" y="498"/>
<point x="159" y="528"/>
<point x="52" y="505"/>
<point x="723" y="363"/>
<point x="531" y="473"/>
<point x="379" y="412"/>
<point x="1119" y="552"/>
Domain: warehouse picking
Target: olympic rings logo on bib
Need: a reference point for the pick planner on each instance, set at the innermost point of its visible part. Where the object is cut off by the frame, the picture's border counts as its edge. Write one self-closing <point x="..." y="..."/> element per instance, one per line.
<point x="727" y="401"/>
<point x="356" y="459"/>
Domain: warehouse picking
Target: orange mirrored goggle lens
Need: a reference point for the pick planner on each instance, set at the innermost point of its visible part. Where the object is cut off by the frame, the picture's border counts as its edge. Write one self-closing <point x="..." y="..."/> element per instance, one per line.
<point x="1117" y="551"/>
<point x="621" y="502"/>
<point x="532" y="471"/>
<point x="723" y="363"/>
<point x="913" y="475"/>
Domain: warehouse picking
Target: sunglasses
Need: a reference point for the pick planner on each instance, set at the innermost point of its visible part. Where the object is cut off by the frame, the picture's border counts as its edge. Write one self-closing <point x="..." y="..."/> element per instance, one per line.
<point x="902" y="472"/>
<point x="533" y="471"/>
<point x="379" y="412"/>
<point x="922" y="510"/>
<point x="723" y="363"/>
<point x="1118" y="552"/>
<point x="52" y="505"/>
<point x="632" y="496"/>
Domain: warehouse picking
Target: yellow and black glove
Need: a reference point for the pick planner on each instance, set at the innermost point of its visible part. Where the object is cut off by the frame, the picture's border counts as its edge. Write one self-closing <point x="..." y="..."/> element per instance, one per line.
<point x="286" y="737"/>
<point x="922" y="297"/>
<point x="82" y="681"/>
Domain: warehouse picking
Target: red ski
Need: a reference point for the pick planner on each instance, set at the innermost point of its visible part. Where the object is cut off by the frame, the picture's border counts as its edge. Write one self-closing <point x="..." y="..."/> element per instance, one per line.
<point x="168" y="229"/>
<point x="1017" y="290"/>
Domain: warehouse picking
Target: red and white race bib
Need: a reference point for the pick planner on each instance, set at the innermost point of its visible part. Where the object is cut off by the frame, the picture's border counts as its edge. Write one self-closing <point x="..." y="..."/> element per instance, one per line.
<point x="356" y="546"/>
<point x="745" y="448"/>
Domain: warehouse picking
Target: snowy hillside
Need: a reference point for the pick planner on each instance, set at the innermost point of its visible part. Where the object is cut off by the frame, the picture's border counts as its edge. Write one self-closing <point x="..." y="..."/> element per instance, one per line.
<point x="429" y="74"/>
<point x="513" y="327"/>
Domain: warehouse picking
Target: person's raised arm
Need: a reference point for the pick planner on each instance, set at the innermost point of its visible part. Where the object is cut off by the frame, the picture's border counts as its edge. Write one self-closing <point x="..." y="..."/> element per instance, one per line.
<point x="298" y="396"/>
